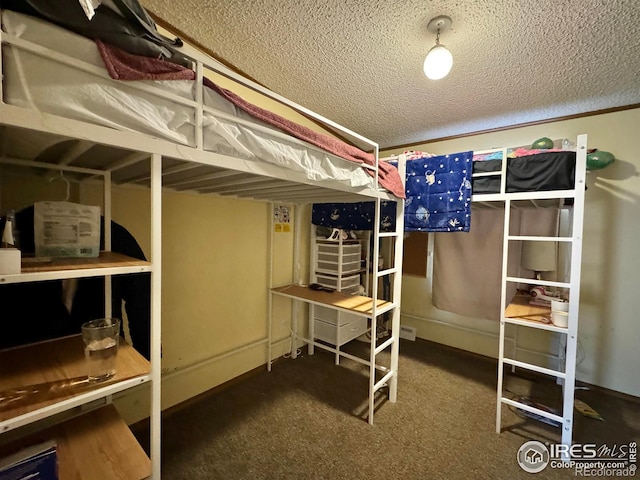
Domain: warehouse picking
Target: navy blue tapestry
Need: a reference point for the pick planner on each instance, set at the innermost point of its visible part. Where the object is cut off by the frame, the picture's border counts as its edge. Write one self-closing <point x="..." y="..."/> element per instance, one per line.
<point x="354" y="216"/>
<point x="439" y="193"/>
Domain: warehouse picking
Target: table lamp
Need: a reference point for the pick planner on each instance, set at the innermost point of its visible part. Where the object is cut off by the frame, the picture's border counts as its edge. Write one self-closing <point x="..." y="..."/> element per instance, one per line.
<point x="539" y="257"/>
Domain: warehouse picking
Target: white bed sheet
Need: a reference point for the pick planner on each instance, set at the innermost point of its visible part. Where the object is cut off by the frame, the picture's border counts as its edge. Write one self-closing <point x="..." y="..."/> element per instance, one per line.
<point x="40" y="83"/>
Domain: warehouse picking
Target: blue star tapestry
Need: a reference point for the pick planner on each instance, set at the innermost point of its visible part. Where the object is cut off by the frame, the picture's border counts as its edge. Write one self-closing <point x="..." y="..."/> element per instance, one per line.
<point x="439" y="193"/>
<point x="354" y="216"/>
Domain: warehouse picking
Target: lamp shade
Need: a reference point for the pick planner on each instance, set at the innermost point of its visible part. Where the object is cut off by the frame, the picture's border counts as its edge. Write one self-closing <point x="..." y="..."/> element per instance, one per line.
<point x="438" y="63"/>
<point x="538" y="256"/>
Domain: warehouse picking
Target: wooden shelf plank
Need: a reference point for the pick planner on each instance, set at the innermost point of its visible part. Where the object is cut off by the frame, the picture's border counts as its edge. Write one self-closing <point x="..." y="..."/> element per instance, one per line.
<point x="104" y="260"/>
<point x="537" y="315"/>
<point x="352" y="303"/>
<point x="41" y="374"/>
<point x="95" y="446"/>
<point x="107" y="263"/>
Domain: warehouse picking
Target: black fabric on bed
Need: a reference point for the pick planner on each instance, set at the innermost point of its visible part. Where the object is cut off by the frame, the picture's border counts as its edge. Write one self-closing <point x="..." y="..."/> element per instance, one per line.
<point x="531" y="173"/>
<point x="134" y="31"/>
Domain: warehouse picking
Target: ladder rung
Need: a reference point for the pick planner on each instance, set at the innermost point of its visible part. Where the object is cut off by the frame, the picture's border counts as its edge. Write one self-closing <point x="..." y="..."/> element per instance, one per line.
<point x="531" y="409"/>
<point x="487" y="174"/>
<point x="535" y="368"/>
<point x="532" y="281"/>
<point x="385" y="308"/>
<point x="383" y="345"/>
<point x="389" y="234"/>
<point x="383" y="381"/>
<point x="539" y="239"/>
<point x="388" y="271"/>
<point x="541" y="195"/>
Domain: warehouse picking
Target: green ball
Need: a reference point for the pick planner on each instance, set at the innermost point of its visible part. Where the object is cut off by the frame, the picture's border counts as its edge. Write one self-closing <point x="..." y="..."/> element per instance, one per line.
<point x="599" y="159"/>
<point x="543" y="143"/>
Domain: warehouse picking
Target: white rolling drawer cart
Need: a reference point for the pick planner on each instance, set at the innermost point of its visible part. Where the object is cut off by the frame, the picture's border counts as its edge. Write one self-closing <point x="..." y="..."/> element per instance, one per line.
<point x="339" y="265"/>
<point x="336" y="327"/>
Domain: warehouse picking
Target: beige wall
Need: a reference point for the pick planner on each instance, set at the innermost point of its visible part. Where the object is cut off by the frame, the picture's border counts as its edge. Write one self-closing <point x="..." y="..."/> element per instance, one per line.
<point x="609" y="329"/>
<point x="215" y="278"/>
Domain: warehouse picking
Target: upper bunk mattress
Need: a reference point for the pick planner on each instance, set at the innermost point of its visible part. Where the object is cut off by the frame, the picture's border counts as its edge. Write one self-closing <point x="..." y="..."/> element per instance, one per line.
<point x="79" y="88"/>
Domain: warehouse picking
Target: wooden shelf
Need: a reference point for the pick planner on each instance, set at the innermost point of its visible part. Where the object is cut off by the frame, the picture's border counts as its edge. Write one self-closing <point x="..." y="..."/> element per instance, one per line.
<point x="352" y="303"/>
<point x="521" y="312"/>
<point x="103" y="260"/>
<point x="95" y="446"/>
<point x="107" y="263"/>
<point x="521" y="308"/>
<point x="45" y="374"/>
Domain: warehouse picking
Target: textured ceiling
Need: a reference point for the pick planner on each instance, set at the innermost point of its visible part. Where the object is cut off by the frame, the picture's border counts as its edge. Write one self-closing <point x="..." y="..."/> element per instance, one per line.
<point x="359" y="62"/>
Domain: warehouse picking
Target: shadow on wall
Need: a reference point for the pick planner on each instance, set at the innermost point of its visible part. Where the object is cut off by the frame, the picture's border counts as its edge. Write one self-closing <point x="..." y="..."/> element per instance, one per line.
<point x="618" y="170"/>
<point x="604" y="187"/>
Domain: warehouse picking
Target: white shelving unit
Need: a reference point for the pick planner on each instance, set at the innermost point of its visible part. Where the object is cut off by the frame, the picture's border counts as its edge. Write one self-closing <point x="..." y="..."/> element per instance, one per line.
<point x="518" y="312"/>
<point x="338" y="264"/>
<point x="60" y="394"/>
<point x="337" y="327"/>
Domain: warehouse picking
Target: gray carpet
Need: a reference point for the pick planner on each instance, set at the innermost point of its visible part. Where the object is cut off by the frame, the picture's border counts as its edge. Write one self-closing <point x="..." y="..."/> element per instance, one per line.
<point x="307" y="420"/>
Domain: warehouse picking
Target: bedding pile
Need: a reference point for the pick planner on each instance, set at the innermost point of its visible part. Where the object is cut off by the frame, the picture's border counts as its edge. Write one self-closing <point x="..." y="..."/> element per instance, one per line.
<point x="122" y="65"/>
<point x="37" y="82"/>
<point x="123" y="23"/>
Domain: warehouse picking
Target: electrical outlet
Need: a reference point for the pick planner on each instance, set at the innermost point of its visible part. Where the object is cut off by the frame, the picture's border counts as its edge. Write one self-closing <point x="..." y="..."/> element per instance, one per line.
<point x="408" y="333"/>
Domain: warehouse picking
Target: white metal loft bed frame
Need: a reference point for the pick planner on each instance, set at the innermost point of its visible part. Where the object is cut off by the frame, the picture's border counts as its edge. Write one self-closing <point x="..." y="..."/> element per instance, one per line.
<point x="566" y="372"/>
<point x="140" y="159"/>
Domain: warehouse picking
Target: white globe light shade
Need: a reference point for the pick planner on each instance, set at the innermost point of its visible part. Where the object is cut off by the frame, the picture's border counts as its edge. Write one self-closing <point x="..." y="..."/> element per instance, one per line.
<point x="438" y="63"/>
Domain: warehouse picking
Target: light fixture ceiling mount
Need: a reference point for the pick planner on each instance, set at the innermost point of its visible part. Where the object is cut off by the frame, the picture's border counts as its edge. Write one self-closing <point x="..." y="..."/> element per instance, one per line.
<point x="441" y="23"/>
<point x="439" y="60"/>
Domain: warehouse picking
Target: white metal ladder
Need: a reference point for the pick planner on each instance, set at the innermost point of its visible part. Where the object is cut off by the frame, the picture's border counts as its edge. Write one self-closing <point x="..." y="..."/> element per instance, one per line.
<point x="573" y="285"/>
<point x="394" y="273"/>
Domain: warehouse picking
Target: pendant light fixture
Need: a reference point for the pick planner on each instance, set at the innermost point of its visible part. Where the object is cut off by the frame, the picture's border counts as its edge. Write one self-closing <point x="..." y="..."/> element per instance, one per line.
<point x="439" y="60"/>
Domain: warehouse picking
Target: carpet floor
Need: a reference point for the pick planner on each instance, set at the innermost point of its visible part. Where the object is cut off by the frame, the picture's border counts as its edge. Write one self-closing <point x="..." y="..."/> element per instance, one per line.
<point x="307" y="419"/>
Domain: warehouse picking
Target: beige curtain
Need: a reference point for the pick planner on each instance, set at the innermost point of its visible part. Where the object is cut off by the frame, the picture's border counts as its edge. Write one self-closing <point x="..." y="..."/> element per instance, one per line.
<point x="467" y="268"/>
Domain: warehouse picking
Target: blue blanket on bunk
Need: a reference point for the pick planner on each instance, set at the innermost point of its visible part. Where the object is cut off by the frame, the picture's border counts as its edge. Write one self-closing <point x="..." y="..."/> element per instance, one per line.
<point x="438" y="199"/>
<point x="439" y="193"/>
<point x="354" y="216"/>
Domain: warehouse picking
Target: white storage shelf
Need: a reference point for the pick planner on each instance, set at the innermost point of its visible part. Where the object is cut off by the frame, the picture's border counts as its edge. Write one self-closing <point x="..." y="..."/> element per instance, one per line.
<point x="332" y="267"/>
<point x="49" y="378"/>
<point x="338" y="265"/>
<point x="333" y="257"/>
<point x="334" y="248"/>
<point x="336" y="327"/>
<point x="342" y="284"/>
<point x="45" y="383"/>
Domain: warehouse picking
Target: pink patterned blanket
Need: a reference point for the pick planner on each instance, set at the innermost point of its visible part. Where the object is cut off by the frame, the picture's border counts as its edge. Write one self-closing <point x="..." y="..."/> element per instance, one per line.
<point x="122" y="65"/>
